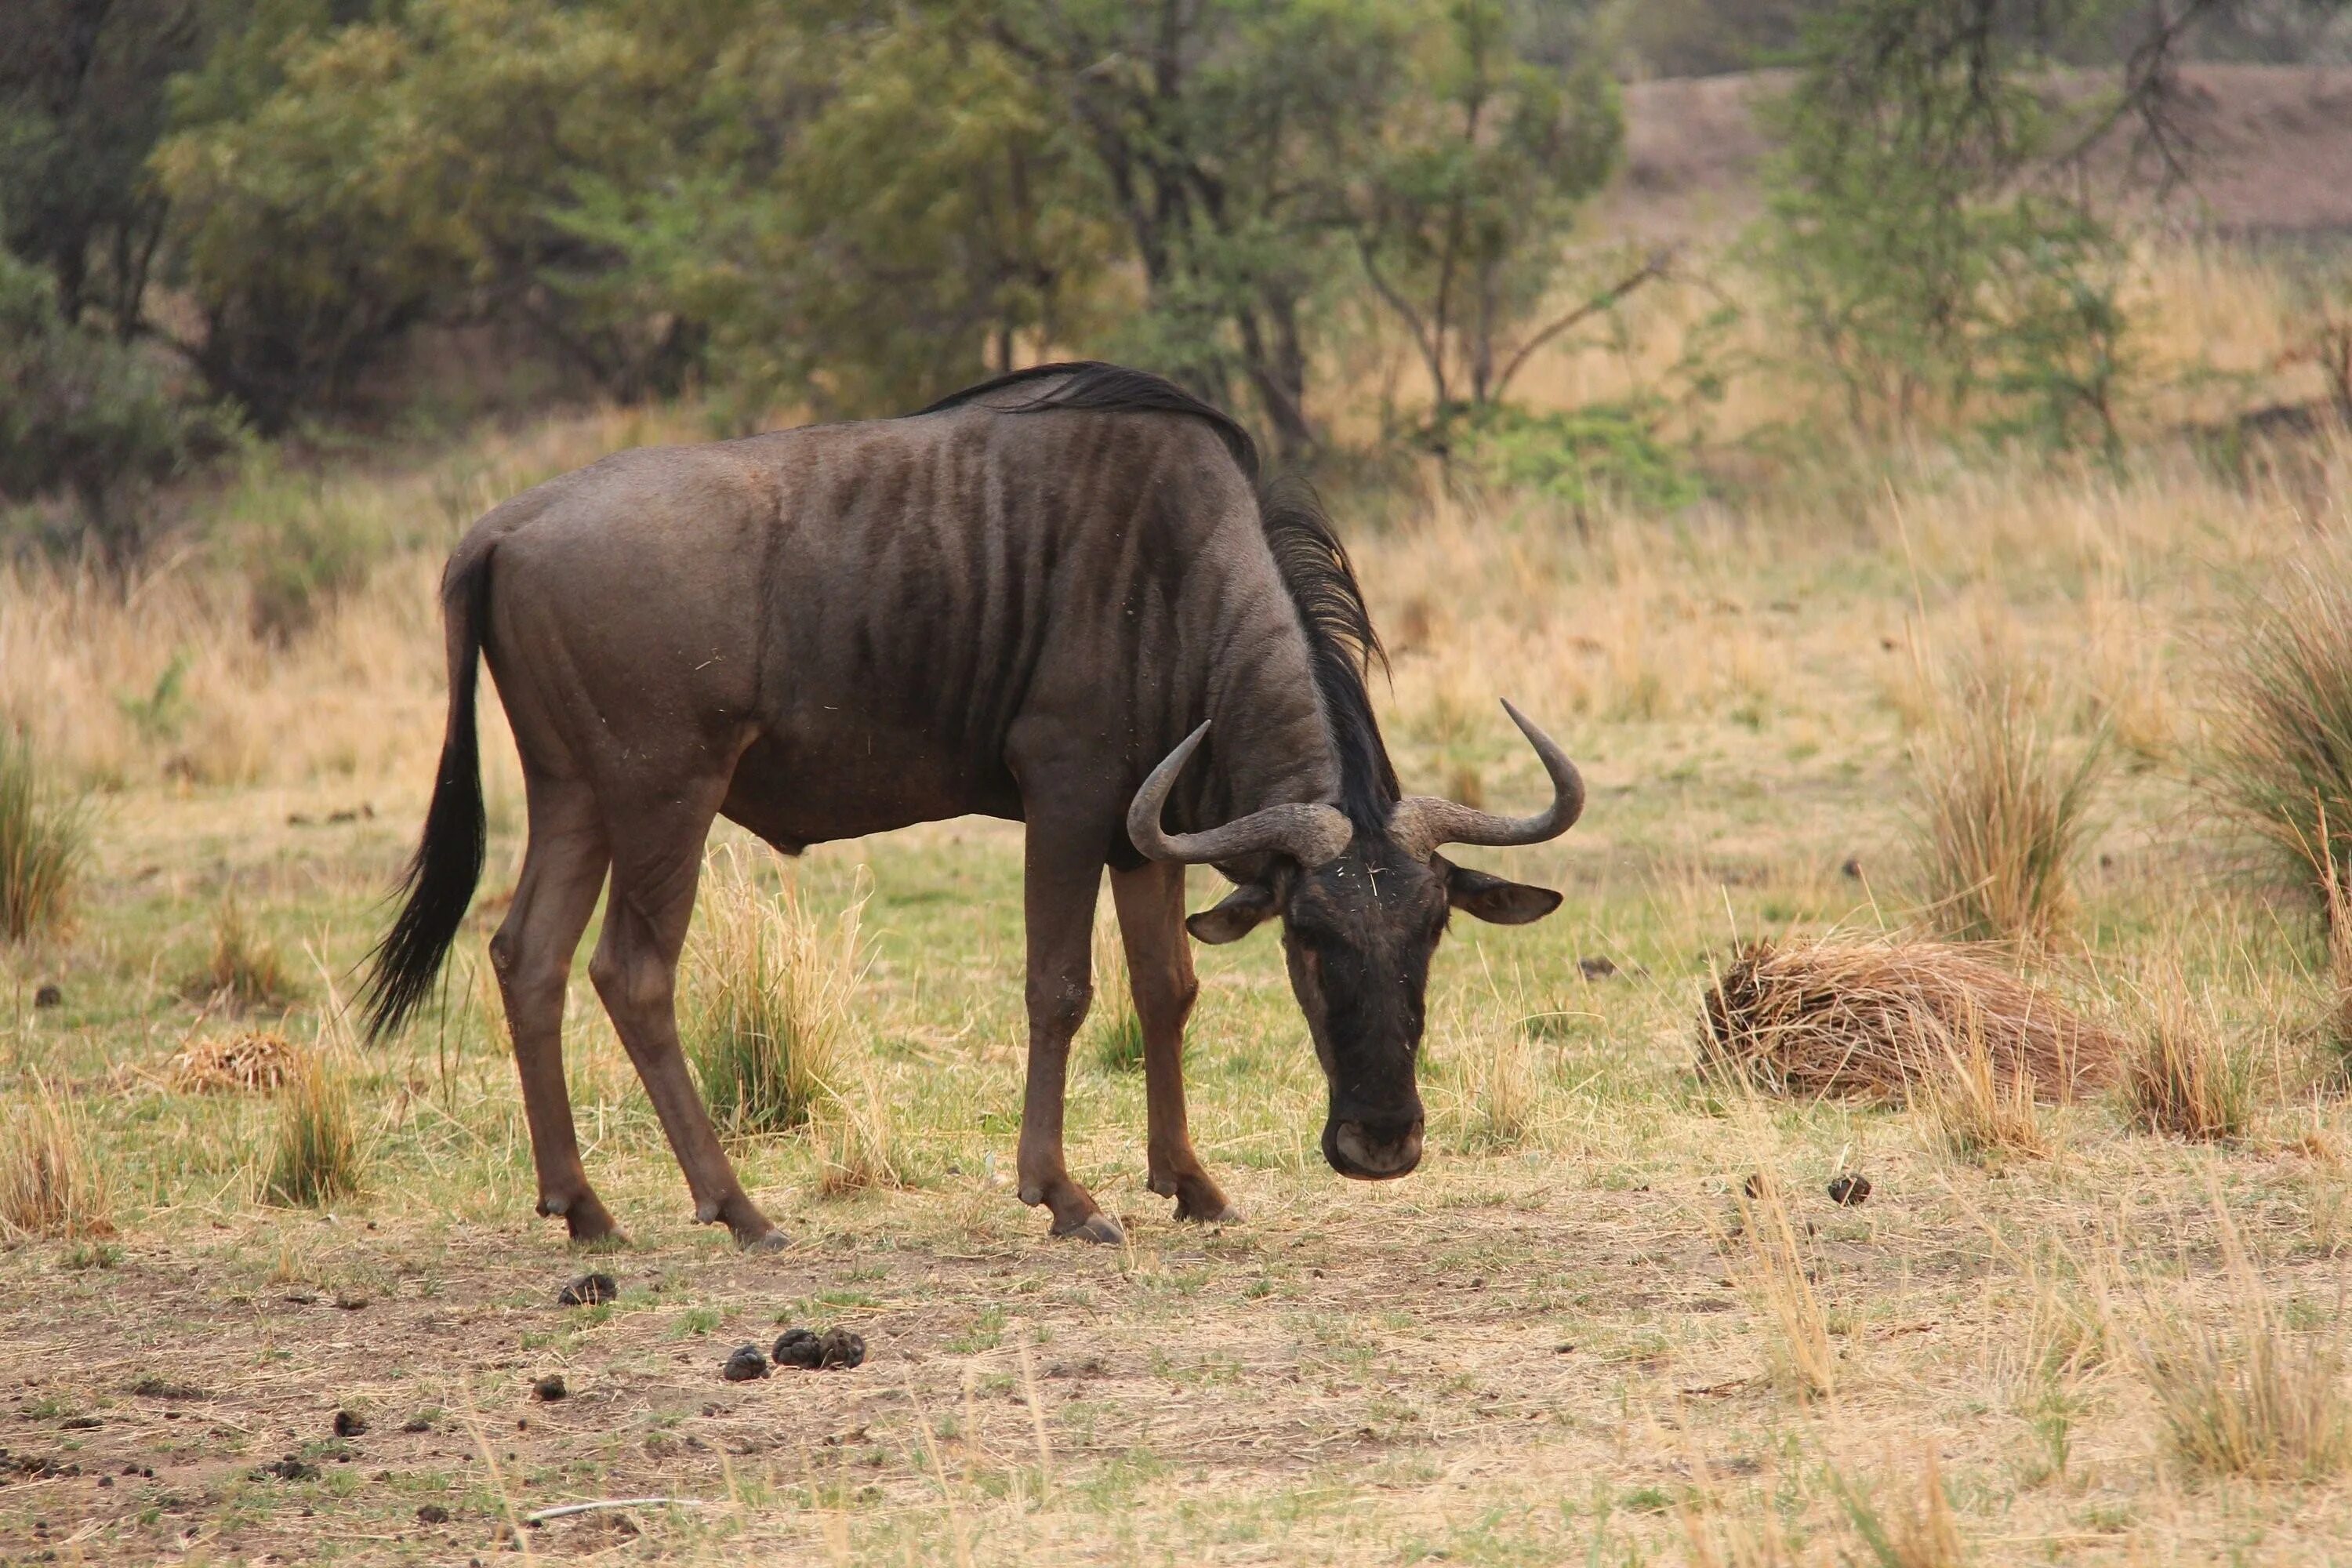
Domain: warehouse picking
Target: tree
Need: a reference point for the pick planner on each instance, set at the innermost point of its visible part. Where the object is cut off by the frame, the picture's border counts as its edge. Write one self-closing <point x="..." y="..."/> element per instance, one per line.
<point x="1462" y="215"/>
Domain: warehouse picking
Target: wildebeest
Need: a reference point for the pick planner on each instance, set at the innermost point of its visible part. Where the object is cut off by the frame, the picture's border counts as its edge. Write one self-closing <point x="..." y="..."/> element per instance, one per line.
<point x="1014" y="603"/>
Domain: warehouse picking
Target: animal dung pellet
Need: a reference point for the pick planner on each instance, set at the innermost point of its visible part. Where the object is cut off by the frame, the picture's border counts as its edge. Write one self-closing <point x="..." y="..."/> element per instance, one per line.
<point x="834" y="1348"/>
<point x="549" y="1388"/>
<point x="256" y="1060"/>
<point x="349" y="1424"/>
<point x="49" y="996"/>
<point x="1757" y="1184"/>
<point x="589" y="1290"/>
<point x="1850" y="1191"/>
<point x="744" y="1364"/>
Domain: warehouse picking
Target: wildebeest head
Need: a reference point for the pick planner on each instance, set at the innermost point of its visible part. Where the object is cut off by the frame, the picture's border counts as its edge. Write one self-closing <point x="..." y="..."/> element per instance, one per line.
<point x="1361" y="913"/>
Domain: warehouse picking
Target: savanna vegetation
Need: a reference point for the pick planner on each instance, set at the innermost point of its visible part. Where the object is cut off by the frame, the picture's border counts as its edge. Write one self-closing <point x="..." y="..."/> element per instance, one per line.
<point x="1945" y="548"/>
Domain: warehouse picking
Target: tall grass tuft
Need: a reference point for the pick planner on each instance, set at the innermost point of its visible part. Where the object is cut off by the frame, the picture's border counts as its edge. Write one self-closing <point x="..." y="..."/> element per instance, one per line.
<point x="767" y="999"/>
<point x="2002" y="815"/>
<point x="44" y="837"/>
<point x="317" y="1156"/>
<point x="1115" y="1030"/>
<point x="52" y="1183"/>
<point x="1767" y="1264"/>
<point x="2281" y="758"/>
<point x="857" y="1143"/>
<point x="2249" y="1395"/>
<point x="2183" y="1079"/>
<point x="1981" y="1115"/>
<point x="244" y="966"/>
<point x="1916" y="1531"/>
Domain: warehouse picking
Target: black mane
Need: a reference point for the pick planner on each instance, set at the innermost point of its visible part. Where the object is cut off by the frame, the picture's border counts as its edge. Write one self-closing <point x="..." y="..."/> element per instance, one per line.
<point x="1321" y="581"/>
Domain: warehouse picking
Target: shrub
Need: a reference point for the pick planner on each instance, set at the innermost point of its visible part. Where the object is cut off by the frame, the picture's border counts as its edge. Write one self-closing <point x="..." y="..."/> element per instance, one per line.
<point x="2281" y="761"/>
<point x="51" y="1182"/>
<point x="767" y="999"/>
<point x="44" y="837"/>
<point x="1577" y="457"/>
<point x="2002" y="818"/>
<point x="317" y="1156"/>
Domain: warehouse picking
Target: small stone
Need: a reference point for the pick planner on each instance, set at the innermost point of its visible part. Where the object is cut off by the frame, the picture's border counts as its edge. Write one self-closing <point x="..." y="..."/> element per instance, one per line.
<point x="589" y="1290"/>
<point x="417" y="1424"/>
<point x="1849" y="1192"/>
<point x="744" y="1364"/>
<point x="49" y="996"/>
<point x="840" y="1348"/>
<point x="431" y="1513"/>
<point x="349" y="1424"/>
<point x="549" y="1388"/>
<point x="796" y="1347"/>
<point x="1595" y="968"/>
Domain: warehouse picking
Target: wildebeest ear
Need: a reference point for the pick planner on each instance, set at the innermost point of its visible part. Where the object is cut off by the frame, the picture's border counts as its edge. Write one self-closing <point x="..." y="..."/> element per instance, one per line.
<point x="1496" y="900"/>
<point x="1240" y="912"/>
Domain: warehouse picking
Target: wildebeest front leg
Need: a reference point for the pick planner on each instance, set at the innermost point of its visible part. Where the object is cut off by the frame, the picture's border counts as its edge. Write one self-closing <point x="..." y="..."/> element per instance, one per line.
<point x="1160" y="966"/>
<point x="1062" y="875"/>
<point x="635" y="972"/>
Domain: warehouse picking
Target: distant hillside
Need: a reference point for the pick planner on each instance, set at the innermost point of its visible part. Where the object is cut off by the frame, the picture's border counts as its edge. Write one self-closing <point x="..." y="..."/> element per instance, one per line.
<point x="2275" y="153"/>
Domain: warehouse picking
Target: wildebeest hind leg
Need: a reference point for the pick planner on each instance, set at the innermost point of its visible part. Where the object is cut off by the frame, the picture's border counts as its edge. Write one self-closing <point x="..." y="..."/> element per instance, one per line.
<point x="1061" y="877"/>
<point x="1151" y="903"/>
<point x="655" y="869"/>
<point x="563" y="869"/>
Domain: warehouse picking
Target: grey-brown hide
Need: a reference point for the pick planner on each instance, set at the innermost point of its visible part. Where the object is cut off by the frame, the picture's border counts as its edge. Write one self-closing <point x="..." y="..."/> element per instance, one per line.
<point x="834" y="631"/>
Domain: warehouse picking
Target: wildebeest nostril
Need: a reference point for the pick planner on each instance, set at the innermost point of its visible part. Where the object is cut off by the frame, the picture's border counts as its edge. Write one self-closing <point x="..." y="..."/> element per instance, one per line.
<point x="1355" y="1150"/>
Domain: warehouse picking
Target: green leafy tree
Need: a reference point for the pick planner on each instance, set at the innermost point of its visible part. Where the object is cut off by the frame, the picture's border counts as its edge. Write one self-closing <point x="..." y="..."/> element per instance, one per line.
<point x="1462" y="215"/>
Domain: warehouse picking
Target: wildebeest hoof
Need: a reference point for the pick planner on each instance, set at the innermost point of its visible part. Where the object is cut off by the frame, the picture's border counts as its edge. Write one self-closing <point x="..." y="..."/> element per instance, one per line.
<point x="1221" y="1213"/>
<point x="1097" y="1226"/>
<point x="768" y="1240"/>
<point x="586" y="1220"/>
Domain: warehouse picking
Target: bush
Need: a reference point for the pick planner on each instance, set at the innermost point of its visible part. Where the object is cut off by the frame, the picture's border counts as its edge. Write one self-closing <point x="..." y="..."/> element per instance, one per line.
<point x="2282" y="761"/>
<point x="2003" y="817"/>
<point x="766" y="1020"/>
<point x="87" y="417"/>
<point x="1578" y="458"/>
<point x="44" y="836"/>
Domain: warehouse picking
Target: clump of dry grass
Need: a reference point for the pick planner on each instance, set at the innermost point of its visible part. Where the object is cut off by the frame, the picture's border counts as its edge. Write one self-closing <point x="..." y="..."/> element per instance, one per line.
<point x="1916" y="1531"/>
<point x="1768" y="1265"/>
<point x="1496" y="1076"/>
<point x="857" y="1143"/>
<point x="2182" y="1079"/>
<point x="2281" y="759"/>
<point x="44" y="836"/>
<point x="253" y="1061"/>
<point x="2003" y="817"/>
<point x="767" y="999"/>
<point x="316" y="1156"/>
<point x="52" y="1183"/>
<point x="2247" y="1395"/>
<point x="1882" y="1020"/>
<point x="245" y="968"/>
<point x="1981" y="1115"/>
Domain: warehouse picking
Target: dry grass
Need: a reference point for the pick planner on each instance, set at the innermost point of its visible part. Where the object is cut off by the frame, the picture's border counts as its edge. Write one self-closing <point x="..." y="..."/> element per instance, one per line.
<point x="44" y="837"/>
<point x="1916" y="1530"/>
<point x="2003" y="815"/>
<point x="767" y="993"/>
<point x="1771" y="1269"/>
<point x="1113" y="1029"/>
<point x="2240" y="1392"/>
<point x="253" y="1061"/>
<point x="316" y="1155"/>
<point x="53" y="1182"/>
<point x="245" y="968"/>
<point x="1981" y="1115"/>
<point x="857" y="1141"/>
<point x="1883" y="1021"/>
<point x="2281" y="759"/>
<point x="2183" y="1078"/>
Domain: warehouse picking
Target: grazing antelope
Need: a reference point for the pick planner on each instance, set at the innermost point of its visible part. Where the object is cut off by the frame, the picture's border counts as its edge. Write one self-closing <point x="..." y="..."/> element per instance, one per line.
<point x="1015" y="602"/>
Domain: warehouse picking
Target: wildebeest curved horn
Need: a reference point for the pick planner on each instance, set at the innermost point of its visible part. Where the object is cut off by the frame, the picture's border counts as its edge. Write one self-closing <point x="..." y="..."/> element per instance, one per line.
<point x="1309" y="833"/>
<point x="1421" y="823"/>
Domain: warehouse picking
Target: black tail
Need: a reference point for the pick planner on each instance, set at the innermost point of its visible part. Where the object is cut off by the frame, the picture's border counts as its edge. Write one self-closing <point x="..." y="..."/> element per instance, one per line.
<point x="440" y="880"/>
